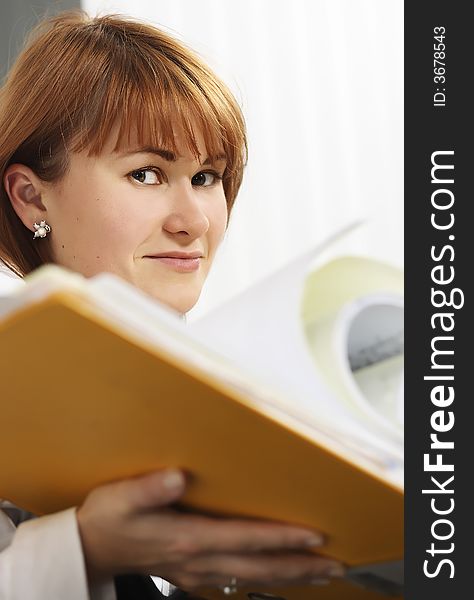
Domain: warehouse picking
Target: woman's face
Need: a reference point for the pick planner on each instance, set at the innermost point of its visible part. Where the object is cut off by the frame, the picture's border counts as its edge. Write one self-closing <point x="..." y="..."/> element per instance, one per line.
<point x="115" y="212"/>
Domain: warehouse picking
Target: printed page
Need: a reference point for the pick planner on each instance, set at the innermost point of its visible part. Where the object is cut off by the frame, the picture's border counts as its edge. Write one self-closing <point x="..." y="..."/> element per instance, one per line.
<point x="358" y="351"/>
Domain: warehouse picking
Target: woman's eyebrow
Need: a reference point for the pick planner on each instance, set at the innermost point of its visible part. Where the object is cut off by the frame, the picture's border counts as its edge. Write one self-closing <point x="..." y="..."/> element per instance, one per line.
<point x="168" y="155"/>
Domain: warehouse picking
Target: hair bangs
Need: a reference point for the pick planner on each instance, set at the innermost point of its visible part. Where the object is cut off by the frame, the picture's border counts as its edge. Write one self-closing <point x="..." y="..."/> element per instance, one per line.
<point x="147" y="103"/>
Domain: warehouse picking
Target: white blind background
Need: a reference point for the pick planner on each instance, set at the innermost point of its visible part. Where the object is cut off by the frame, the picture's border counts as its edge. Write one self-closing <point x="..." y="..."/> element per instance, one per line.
<point x="321" y="86"/>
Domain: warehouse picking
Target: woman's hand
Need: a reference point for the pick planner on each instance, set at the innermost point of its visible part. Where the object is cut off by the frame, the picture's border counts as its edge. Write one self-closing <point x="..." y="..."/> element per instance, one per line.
<point x="128" y="527"/>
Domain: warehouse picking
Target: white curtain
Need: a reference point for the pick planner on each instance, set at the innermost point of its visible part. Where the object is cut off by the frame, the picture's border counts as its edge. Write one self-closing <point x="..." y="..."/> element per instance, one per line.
<point x="321" y="86"/>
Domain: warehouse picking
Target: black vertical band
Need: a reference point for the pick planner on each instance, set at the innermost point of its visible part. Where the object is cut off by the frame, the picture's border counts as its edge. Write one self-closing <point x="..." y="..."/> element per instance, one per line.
<point x="439" y="250"/>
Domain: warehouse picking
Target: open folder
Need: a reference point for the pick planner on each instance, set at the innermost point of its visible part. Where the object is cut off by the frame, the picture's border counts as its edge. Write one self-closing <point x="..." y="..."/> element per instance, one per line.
<point x="272" y="403"/>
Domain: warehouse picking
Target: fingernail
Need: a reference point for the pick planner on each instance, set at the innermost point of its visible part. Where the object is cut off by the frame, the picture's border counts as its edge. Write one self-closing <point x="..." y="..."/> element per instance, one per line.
<point x="319" y="581"/>
<point x="314" y="540"/>
<point x="173" y="479"/>
<point x="336" y="571"/>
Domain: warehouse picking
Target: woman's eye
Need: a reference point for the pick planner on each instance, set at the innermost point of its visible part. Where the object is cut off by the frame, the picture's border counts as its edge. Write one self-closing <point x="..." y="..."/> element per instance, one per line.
<point x="147" y="176"/>
<point x="205" y="178"/>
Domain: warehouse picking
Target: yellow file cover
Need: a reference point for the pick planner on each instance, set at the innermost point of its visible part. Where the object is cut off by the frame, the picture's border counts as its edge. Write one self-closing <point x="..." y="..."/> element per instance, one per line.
<point x="82" y="403"/>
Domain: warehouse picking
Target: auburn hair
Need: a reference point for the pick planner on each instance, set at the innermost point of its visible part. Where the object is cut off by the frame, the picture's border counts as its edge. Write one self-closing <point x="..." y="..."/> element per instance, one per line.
<point x="76" y="78"/>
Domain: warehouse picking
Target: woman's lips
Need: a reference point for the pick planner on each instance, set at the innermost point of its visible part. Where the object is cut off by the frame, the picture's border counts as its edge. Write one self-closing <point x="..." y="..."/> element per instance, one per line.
<point x="184" y="265"/>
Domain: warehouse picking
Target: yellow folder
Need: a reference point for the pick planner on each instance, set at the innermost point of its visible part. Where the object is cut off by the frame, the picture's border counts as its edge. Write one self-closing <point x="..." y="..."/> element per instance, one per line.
<point x="82" y="403"/>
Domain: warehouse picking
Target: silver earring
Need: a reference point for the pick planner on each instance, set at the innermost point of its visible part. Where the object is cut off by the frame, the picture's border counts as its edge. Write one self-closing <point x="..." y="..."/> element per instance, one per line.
<point x="42" y="229"/>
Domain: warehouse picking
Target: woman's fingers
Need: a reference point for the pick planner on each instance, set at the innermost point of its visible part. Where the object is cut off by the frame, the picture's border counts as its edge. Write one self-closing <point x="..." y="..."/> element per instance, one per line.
<point x="153" y="490"/>
<point x="196" y="534"/>
<point x="129" y="526"/>
<point x="199" y="535"/>
<point x="261" y="569"/>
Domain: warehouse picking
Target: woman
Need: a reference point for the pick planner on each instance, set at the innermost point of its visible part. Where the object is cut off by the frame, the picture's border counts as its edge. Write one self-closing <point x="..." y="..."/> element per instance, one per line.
<point x="121" y="151"/>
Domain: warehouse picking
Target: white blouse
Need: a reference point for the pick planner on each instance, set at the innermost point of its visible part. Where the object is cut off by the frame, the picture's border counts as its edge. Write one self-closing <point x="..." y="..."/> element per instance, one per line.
<point x="41" y="558"/>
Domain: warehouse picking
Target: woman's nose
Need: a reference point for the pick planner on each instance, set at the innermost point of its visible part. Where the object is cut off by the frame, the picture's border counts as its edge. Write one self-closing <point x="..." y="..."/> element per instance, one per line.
<point x="187" y="212"/>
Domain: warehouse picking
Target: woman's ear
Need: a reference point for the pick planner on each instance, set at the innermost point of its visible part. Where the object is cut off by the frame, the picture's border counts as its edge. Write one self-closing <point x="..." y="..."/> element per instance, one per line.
<point x="24" y="188"/>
